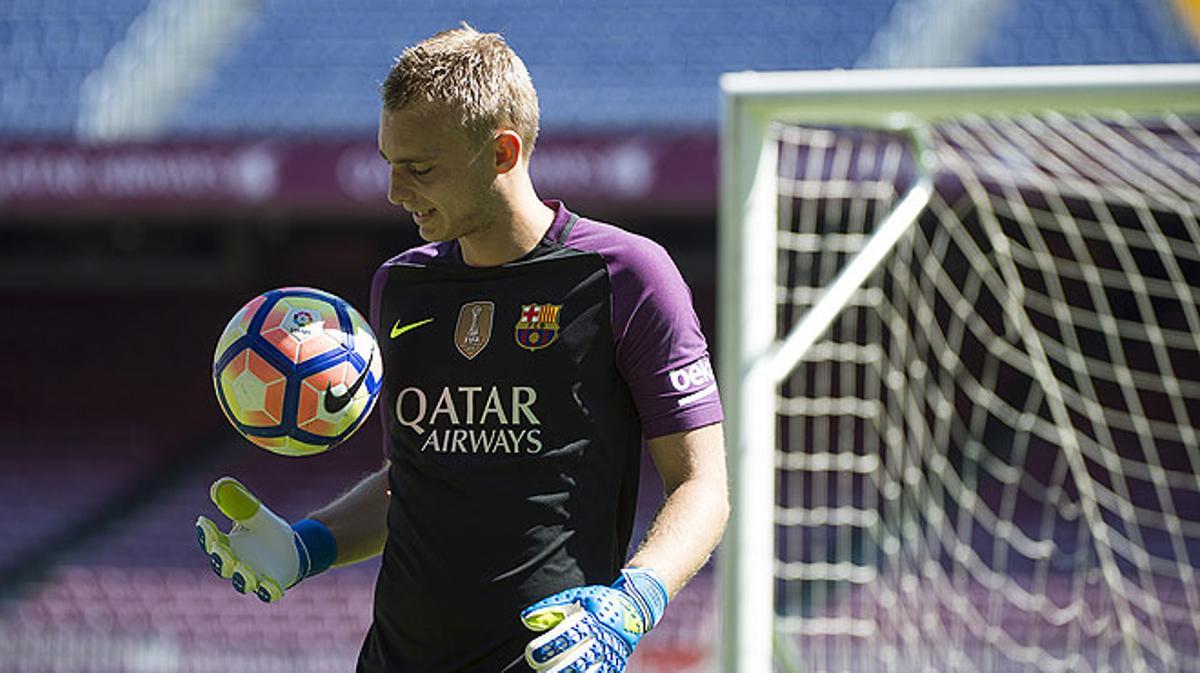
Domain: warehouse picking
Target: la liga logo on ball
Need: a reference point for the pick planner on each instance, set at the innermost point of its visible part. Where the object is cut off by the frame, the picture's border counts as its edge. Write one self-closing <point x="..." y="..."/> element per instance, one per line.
<point x="301" y="320"/>
<point x="297" y="370"/>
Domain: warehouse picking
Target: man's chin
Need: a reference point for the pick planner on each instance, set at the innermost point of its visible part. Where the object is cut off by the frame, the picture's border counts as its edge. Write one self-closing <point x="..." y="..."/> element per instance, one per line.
<point x="428" y="231"/>
<point x="433" y="235"/>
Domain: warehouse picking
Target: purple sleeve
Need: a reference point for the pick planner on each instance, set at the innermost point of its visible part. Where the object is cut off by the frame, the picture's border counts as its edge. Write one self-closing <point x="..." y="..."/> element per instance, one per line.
<point x="385" y="414"/>
<point x="661" y="351"/>
<point x="376" y="299"/>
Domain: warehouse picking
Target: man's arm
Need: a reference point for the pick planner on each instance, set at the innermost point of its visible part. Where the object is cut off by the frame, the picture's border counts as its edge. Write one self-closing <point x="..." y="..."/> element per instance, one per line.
<point x="692" y="519"/>
<point x="358" y="519"/>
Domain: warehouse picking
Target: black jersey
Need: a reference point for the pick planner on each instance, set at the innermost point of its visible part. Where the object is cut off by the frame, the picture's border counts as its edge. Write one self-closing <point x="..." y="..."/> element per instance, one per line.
<point x="515" y="401"/>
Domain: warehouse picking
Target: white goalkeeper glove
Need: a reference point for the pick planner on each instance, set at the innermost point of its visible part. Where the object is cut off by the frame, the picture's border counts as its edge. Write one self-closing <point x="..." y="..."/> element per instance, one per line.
<point x="262" y="554"/>
<point x="594" y="629"/>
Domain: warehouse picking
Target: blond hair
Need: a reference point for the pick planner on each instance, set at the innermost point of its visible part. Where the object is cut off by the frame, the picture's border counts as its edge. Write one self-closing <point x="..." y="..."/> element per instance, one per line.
<point x="475" y="74"/>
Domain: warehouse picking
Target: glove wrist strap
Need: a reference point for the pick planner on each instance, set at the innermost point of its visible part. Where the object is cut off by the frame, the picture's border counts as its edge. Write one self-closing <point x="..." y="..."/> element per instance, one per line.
<point x="647" y="590"/>
<point x="316" y="546"/>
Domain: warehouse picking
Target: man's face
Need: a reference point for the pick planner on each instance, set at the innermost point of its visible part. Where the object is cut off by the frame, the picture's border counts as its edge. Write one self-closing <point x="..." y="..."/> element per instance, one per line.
<point x="438" y="173"/>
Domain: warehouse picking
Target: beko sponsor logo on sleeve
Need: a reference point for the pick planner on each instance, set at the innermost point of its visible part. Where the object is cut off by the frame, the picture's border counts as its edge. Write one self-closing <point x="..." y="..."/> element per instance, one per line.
<point x="696" y="381"/>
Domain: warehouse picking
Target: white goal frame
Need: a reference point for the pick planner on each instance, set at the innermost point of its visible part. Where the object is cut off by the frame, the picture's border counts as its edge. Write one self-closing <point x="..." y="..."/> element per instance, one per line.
<point x="752" y="361"/>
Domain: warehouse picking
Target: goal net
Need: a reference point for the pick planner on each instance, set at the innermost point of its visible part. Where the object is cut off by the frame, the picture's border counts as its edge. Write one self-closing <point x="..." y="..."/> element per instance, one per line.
<point x="961" y="355"/>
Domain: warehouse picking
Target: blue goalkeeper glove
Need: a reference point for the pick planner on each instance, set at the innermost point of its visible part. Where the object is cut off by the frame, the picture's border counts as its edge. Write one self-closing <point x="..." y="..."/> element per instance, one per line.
<point x="594" y="629"/>
<point x="262" y="554"/>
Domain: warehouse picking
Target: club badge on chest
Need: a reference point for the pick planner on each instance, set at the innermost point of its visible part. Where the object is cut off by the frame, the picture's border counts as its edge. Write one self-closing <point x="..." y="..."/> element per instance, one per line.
<point x="537" y="326"/>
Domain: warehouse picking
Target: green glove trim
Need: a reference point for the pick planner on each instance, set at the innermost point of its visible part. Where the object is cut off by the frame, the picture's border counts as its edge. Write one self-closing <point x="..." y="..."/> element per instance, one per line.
<point x="233" y="499"/>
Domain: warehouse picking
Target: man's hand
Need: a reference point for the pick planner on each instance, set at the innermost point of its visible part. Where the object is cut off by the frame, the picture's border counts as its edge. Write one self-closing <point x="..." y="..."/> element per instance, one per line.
<point x="594" y="629"/>
<point x="261" y="554"/>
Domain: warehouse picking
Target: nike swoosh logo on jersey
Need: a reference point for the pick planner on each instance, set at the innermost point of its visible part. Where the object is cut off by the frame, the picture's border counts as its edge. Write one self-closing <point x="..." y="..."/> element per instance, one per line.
<point x="335" y="403"/>
<point x="399" y="329"/>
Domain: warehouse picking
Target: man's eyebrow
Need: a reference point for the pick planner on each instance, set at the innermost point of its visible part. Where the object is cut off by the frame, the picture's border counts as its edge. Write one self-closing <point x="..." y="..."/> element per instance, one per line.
<point x="416" y="160"/>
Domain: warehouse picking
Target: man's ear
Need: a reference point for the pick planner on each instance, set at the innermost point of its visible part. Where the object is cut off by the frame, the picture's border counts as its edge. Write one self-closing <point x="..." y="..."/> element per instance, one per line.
<point x="508" y="150"/>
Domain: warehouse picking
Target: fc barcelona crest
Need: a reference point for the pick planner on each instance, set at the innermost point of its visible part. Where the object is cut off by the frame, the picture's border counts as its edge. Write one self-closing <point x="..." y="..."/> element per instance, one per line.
<point x="537" y="327"/>
<point x="474" y="328"/>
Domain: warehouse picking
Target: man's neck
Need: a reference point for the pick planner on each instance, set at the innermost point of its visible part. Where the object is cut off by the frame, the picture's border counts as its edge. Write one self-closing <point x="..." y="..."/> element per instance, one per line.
<point x="513" y="236"/>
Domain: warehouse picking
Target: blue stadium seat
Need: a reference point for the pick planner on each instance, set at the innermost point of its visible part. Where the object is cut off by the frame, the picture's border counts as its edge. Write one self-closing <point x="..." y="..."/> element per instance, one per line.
<point x="47" y="48"/>
<point x="1077" y="32"/>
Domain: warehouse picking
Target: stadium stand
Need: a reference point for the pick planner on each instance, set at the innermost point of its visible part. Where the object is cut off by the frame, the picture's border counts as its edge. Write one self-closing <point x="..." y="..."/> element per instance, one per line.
<point x="599" y="66"/>
<point x="619" y="64"/>
<point x="79" y="484"/>
<point x="46" y="51"/>
<point x="70" y="446"/>
<point x="132" y="590"/>
<point x="312" y="67"/>
<point x="1062" y="32"/>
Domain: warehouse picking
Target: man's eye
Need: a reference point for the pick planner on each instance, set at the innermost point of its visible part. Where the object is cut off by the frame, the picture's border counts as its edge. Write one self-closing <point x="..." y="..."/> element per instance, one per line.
<point x="419" y="171"/>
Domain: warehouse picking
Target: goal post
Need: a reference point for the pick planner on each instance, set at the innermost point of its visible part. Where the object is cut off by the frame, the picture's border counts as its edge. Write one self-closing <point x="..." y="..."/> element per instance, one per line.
<point x="776" y="125"/>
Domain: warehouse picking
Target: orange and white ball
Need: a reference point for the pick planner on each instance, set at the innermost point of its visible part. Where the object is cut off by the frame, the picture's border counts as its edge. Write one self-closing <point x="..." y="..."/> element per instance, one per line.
<point x="297" y="370"/>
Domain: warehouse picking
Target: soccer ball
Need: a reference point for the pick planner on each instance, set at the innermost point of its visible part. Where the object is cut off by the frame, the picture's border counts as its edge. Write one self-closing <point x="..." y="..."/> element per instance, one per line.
<point x="297" y="370"/>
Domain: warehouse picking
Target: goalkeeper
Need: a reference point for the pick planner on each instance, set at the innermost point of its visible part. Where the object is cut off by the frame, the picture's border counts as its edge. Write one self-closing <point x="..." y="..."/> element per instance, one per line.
<point x="528" y="354"/>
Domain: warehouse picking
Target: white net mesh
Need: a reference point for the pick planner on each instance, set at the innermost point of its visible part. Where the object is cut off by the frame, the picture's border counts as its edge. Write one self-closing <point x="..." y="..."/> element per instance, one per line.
<point x="990" y="461"/>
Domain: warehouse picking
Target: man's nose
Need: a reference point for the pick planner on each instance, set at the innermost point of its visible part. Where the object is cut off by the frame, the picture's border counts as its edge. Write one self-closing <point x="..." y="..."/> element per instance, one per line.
<point x="398" y="188"/>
